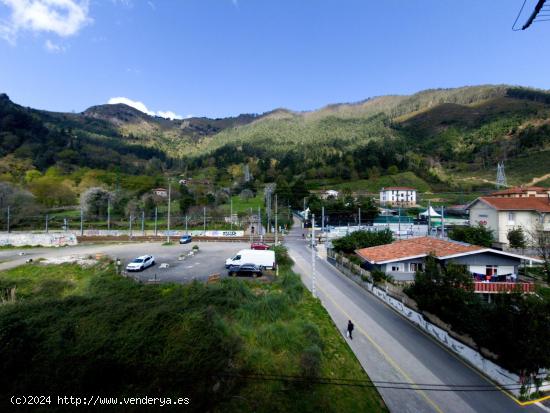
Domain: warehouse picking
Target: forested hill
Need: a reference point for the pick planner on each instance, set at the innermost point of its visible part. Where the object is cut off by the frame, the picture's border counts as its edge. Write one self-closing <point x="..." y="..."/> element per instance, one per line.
<point x="451" y="137"/>
<point x="447" y="137"/>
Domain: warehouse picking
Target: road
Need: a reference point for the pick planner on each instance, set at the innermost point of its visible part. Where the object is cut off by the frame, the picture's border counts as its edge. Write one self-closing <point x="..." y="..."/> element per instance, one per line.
<point x="210" y="258"/>
<point x="391" y="350"/>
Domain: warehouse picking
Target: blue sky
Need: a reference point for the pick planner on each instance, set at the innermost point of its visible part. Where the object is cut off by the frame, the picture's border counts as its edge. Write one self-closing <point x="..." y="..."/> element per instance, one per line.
<point x="225" y="57"/>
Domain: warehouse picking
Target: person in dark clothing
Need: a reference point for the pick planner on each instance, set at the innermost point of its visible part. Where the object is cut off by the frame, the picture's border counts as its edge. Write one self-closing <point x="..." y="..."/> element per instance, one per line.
<point x="350" y="329"/>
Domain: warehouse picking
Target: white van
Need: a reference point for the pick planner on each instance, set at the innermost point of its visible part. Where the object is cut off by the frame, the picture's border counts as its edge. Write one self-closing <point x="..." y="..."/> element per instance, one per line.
<point x="265" y="259"/>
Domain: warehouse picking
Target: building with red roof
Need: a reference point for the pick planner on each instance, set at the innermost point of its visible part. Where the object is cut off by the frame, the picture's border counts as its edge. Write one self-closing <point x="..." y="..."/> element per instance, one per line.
<point x="501" y="214"/>
<point x="401" y="259"/>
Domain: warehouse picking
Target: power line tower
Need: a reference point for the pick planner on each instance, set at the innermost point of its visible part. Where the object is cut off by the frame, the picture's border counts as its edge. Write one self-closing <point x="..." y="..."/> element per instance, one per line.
<point x="501" y="176"/>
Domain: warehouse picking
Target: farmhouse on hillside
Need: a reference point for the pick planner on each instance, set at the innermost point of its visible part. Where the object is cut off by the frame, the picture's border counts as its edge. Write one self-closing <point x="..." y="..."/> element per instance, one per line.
<point x="401" y="260"/>
<point x="398" y="196"/>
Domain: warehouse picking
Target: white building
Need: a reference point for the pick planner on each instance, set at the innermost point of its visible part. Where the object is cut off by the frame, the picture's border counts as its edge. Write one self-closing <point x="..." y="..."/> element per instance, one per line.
<point x="331" y="193"/>
<point x="398" y="196"/>
<point x="503" y="214"/>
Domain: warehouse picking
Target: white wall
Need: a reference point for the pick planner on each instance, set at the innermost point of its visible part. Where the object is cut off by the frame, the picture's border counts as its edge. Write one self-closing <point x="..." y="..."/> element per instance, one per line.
<point x="45" y="240"/>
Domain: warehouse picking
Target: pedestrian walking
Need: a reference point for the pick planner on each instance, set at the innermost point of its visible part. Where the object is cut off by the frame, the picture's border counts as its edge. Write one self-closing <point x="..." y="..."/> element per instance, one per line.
<point x="350" y="329"/>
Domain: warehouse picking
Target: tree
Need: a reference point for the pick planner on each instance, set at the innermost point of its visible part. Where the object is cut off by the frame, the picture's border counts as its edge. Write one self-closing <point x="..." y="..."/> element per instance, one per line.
<point x="299" y="192"/>
<point x="362" y="239"/>
<point x="478" y="235"/>
<point x="187" y="200"/>
<point x="95" y="202"/>
<point x="51" y="191"/>
<point x="369" y="210"/>
<point x="516" y="238"/>
<point x="541" y="242"/>
<point x="22" y="204"/>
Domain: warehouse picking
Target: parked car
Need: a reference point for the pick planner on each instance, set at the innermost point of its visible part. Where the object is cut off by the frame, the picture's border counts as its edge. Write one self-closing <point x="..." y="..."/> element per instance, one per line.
<point x="140" y="263"/>
<point x="259" y="246"/>
<point x="246" y="270"/>
<point x="186" y="239"/>
<point x="264" y="259"/>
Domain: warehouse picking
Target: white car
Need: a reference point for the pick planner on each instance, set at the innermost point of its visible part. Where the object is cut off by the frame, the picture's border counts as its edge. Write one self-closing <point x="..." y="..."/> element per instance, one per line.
<point x="140" y="263"/>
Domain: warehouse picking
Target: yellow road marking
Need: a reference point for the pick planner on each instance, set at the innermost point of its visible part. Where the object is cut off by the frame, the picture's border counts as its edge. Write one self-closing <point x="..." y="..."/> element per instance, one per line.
<point x="375" y="345"/>
<point x="505" y="392"/>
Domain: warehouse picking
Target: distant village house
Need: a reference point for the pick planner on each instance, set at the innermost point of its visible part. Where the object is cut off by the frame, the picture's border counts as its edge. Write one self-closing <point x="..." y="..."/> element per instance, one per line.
<point x="398" y="196"/>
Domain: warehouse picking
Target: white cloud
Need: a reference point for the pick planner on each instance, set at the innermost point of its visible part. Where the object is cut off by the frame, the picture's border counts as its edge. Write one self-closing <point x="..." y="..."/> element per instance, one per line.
<point x="142" y="108"/>
<point x="61" y="17"/>
<point x="54" y="47"/>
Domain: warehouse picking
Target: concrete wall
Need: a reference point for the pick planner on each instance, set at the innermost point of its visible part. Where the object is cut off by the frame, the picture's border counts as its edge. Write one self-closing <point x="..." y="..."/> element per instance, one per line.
<point x="45" y="240"/>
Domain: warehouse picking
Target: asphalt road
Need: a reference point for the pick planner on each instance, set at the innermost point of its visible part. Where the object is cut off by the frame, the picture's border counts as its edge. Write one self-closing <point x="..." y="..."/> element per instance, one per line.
<point x="209" y="260"/>
<point x="392" y="350"/>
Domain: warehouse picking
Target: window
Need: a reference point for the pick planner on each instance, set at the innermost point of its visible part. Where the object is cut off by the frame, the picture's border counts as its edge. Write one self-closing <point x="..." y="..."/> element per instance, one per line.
<point x="395" y="268"/>
<point x="416" y="266"/>
<point x="490" y="270"/>
<point x="511" y="218"/>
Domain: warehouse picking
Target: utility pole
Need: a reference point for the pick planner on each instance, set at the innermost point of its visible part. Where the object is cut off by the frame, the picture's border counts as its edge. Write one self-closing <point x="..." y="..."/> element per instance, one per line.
<point x="442" y="221"/>
<point x="260" y="224"/>
<point x="81" y="221"/>
<point x="204" y="220"/>
<point x="186" y="221"/>
<point x="276" y="225"/>
<point x="429" y="218"/>
<point x="399" y="222"/>
<point x="156" y="217"/>
<point x="130" y="224"/>
<point x="313" y="292"/>
<point x="8" y="218"/>
<point x="142" y="222"/>
<point x="47" y="219"/>
<point x="323" y="219"/>
<point x="231" y="213"/>
<point x="359" y="214"/>
<point x="108" y="214"/>
<point x="169" y="202"/>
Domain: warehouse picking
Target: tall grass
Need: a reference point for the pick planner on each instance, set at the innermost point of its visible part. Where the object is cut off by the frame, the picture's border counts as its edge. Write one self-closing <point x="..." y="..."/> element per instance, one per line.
<point x="75" y="331"/>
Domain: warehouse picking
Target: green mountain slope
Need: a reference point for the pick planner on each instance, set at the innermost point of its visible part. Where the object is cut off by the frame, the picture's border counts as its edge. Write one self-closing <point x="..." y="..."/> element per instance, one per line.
<point x="446" y="137"/>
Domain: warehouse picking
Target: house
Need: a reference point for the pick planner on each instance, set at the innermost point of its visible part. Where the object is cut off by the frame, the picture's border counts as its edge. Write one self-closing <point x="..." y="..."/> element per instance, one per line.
<point x="522" y="192"/>
<point x="331" y="193"/>
<point x="401" y="260"/>
<point x="501" y="214"/>
<point x="161" y="192"/>
<point x="398" y="196"/>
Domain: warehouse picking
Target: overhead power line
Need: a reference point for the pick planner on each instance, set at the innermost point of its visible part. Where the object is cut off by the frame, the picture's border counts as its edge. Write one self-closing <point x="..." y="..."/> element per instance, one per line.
<point x="534" y="16"/>
<point x="378" y="384"/>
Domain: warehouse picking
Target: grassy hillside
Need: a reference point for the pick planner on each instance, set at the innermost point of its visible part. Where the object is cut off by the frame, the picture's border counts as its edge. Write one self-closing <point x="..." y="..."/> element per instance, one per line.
<point x="87" y="331"/>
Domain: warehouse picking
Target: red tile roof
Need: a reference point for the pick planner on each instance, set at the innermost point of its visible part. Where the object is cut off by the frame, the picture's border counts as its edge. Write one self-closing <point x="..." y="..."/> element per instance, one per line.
<point x="517" y="204"/>
<point x="520" y="190"/>
<point x="415" y="247"/>
<point x="398" y="188"/>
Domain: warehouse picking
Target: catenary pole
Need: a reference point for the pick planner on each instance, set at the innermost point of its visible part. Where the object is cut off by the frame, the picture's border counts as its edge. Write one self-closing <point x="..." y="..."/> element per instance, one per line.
<point x="313" y="292"/>
<point x="169" y="202"/>
<point x="276" y="224"/>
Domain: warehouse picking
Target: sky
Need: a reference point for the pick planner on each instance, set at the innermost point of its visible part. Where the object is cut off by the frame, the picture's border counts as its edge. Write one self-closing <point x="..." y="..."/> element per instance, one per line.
<point x="217" y="58"/>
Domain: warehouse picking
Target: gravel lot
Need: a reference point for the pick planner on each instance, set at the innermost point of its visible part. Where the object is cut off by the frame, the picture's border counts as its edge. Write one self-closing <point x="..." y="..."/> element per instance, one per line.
<point x="210" y="258"/>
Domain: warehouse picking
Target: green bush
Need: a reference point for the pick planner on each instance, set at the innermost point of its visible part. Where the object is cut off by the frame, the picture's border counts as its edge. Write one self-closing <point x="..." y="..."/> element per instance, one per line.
<point x="362" y="239"/>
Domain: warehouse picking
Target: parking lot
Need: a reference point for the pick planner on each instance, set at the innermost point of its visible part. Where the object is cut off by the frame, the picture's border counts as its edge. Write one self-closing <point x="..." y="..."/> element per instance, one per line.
<point x="181" y="265"/>
<point x="209" y="259"/>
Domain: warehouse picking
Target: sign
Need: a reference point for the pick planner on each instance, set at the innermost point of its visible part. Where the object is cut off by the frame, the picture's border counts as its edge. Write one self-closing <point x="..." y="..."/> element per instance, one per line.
<point x="225" y="234"/>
